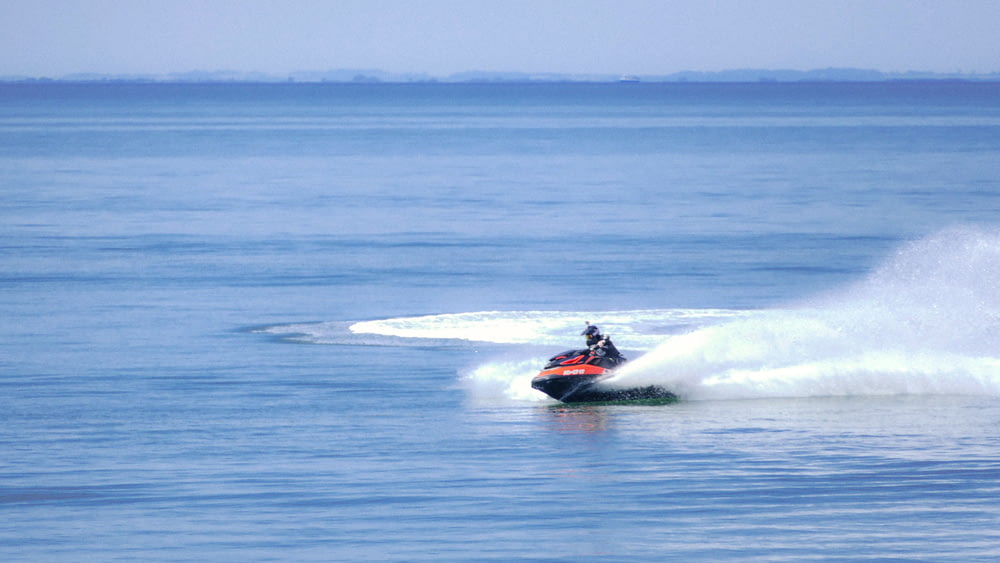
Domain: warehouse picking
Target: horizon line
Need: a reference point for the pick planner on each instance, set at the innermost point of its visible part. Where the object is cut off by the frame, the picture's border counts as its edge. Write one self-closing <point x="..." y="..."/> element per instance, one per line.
<point x="356" y="75"/>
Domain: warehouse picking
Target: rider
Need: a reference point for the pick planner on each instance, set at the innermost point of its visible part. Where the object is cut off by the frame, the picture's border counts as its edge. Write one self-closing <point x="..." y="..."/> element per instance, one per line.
<point x="600" y="345"/>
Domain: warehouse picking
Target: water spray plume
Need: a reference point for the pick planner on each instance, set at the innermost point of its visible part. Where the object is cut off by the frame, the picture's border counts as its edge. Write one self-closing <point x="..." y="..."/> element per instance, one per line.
<point x="926" y="322"/>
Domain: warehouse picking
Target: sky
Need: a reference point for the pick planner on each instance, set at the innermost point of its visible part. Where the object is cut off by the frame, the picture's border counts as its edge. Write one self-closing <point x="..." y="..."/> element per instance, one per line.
<point x="440" y="37"/>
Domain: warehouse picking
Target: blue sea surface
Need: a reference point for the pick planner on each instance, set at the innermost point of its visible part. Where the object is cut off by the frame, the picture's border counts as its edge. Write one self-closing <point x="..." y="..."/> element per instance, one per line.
<point x="299" y="321"/>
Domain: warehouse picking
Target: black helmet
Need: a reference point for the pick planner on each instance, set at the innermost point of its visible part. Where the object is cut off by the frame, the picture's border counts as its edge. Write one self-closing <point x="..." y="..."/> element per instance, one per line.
<point x="591" y="330"/>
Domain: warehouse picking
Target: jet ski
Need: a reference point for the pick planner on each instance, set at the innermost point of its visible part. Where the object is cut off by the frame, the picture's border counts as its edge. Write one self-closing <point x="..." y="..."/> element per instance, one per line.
<point x="578" y="376"/>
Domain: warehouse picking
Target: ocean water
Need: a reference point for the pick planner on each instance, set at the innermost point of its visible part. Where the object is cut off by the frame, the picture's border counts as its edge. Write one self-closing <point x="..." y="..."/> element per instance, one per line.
<point x="299" y="322"/>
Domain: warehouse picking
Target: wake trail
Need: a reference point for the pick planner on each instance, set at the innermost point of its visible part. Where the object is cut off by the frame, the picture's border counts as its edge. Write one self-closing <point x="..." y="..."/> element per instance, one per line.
<point x="925" y="322"/>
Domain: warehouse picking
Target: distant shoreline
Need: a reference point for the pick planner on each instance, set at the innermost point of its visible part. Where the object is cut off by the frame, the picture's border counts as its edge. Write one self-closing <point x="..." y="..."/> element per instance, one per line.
<point x="372" y="76"/>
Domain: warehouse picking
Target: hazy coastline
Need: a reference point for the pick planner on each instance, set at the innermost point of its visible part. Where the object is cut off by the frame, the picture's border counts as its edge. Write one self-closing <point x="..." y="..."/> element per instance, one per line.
<point x="380" y="76"/>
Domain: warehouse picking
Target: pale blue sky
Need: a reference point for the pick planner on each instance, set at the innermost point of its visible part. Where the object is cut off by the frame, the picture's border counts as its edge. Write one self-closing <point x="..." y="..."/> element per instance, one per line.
<point x="439" y="37"/>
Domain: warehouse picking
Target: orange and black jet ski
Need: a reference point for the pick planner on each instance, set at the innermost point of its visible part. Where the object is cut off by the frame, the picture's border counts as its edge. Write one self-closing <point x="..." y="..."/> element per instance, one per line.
<point x="577" y="376"/>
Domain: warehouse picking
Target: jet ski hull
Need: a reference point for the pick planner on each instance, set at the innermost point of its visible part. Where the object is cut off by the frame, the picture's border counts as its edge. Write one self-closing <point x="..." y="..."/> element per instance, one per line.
<point x="576" y="377"/>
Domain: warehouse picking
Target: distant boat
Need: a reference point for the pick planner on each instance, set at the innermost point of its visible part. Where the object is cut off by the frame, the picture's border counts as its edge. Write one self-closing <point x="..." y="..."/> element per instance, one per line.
<point x="628" y="78"/>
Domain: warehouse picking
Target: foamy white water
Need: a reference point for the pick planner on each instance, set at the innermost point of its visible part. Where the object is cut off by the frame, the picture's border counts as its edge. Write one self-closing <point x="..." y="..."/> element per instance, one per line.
<point x="925" y="322"/>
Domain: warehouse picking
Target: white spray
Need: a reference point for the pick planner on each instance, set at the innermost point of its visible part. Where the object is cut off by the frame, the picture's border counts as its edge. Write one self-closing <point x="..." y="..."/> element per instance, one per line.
<point x="927" y="322"/>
